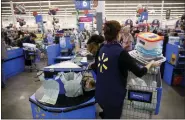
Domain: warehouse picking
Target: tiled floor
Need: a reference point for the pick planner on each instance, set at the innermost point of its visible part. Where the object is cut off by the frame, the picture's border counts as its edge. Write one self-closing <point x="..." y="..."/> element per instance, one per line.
<point x="15" y="99"/>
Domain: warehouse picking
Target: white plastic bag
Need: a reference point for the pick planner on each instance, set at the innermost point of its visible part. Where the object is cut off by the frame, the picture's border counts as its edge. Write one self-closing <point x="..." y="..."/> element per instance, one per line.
<point x="72" y="84"/>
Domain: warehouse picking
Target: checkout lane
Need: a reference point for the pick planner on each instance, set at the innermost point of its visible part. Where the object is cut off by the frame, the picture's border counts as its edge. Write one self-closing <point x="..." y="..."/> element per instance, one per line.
<point x="14" y="63"/>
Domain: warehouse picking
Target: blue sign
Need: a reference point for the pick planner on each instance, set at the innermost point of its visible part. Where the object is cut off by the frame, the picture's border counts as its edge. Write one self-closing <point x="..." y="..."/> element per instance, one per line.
<point x="140" y="96"/>
<point x="38" y="18"/>
<point x="81" y="27"/>
<point x="144" y="16"/>
<point x="89" y="15"/>
<point x="83" y="4"/>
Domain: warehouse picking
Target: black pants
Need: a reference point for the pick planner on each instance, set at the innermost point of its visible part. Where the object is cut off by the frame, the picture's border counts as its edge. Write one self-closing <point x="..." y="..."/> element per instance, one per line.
<point x="110" y="112"/>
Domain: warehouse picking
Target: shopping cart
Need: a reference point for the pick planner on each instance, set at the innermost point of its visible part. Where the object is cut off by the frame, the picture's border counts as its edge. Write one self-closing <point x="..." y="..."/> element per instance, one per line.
<point x="30" y="58"/>
<point x="143" y="101"/>
<point x="42" y="46"/>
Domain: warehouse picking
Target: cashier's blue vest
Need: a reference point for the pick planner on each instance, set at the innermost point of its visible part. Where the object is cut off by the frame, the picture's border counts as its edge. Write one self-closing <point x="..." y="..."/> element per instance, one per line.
<point x="109" y="88"/>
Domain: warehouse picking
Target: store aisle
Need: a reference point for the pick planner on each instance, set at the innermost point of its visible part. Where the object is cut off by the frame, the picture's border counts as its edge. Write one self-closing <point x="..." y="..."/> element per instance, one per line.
<point x="15" y="99"/>
<point x="172" y="104"/>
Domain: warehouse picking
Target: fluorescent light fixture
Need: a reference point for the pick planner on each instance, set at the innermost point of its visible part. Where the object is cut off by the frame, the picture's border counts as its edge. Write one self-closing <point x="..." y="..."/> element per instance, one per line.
<point x="35" y="2"/>
<point x="42" y="14"/>
<point x="45" y="6"/>
<point x="69" y="5"/>
<point x="27" y="10"/>
<point x="135" y="7"/>
<point x="125" y="10"/>
<point x="38" y="13"/>
<point x="118" y="4"/>
<point x="149" y="13"/>
<point x="113" y="14"/>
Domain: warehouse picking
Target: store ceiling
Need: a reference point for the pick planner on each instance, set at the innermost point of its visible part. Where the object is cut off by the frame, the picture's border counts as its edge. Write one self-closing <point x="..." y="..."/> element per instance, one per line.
<point x="112" y="8"/>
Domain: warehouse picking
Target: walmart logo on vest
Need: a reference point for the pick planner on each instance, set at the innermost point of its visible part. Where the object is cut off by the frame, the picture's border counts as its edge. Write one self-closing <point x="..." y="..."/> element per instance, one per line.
<point x="102" y="60"/>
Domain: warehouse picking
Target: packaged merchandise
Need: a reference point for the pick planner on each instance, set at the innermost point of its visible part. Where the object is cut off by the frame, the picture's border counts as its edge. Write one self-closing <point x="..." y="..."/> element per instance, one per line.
<point x="62" y="42"/>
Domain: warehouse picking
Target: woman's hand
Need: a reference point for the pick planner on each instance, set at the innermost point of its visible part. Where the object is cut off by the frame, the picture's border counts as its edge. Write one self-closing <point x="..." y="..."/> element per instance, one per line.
<point x="156" y="64"/>
<point x="152" y="64"/>
<point x="148" y="66"/>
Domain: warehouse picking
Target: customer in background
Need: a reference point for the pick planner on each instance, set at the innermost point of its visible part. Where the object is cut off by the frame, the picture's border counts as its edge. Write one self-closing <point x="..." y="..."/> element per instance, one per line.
<point x="94" y="44"/>
<point x="114" y="62"/>
<point x="27" y="39"/>
<point x="165" y="42"/>
<point x="176" y="34"/>
<point x="126" y="38"/>
<point x="155" y="31"/>
<point x="30" y="39"/>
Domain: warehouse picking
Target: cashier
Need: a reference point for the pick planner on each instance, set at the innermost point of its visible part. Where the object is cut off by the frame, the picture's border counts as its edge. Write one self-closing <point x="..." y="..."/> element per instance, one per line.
<point x="113" y="65"/>
<point x="94" y="44"/>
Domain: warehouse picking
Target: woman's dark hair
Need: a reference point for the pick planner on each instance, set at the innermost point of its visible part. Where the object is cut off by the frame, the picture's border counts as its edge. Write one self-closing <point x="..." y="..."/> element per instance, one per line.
<point x="175" y="34"/>
<point x="33" y="35"/>
<point x="97" y="39"/>
<point x="111" y="30"/>
<point x="20" y="33"/>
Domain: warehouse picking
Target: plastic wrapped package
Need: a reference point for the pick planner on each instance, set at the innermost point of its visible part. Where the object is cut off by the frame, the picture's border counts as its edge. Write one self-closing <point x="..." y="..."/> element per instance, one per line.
<point x="145" y="84"/>
<point x="29" y="45"/>
<point x="149" y="41"/>
<point x="137" y="84"/>
<point x="62" y="42"/>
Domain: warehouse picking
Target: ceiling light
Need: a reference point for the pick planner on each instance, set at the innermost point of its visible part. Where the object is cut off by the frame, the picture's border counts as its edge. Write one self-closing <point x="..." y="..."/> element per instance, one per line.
<point x="38" y="12"/>
<point x="126" y="10"/>
<point x="35" y="2"/>
<point x="144" y="4"/>
<point x="45" y="6"/>
<point x="113" y="14"/>
<point x="135" y="7"/>
<point x="42" y="14"/>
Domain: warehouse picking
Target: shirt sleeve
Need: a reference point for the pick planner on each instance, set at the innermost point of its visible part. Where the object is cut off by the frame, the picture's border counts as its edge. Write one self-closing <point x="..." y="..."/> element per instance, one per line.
<point x="126" y="62"/>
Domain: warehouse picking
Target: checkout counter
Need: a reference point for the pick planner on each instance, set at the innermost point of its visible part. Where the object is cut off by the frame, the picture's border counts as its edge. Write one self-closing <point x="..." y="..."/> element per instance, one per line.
<point x="174" y="72"/>
<point x="81" y="107"/>
<point x="14" y="64"/>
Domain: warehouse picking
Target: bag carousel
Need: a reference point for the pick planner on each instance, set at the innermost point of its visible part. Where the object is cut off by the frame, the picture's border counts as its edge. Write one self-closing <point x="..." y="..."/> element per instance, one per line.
<point x="69" y="94"/>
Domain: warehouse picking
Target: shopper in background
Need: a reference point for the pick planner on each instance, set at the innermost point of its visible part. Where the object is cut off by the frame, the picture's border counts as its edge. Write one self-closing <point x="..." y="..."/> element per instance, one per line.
<point x="165" y="42"/>
<point x="93" y="46"/>
<point x="134" y="35"/>
<point x="155" y="31"/>
<point x="113" y="65"/>
<point x="30" y="39"/>
<point x="176" y="34"/>
<point x="126" y="38"/>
